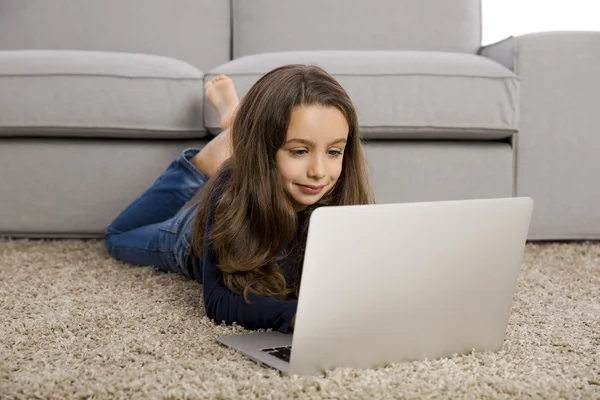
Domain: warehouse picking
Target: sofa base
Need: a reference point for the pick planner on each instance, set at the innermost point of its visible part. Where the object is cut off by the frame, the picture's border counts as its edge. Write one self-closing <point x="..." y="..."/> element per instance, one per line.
<point x="408" y="171"/>
<point x="74" y="188"/>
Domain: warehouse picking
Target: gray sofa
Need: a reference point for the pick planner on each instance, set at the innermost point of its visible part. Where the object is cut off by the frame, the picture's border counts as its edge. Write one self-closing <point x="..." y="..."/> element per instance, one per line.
<point x="97" y="97"/>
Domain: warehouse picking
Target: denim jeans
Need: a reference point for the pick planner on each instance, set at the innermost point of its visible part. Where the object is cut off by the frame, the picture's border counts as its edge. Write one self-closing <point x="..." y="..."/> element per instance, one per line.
<point x="151" y="230"/>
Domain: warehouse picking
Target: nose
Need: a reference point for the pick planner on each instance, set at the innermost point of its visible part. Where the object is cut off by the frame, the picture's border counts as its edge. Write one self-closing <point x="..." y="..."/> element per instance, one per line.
<point x="316" y="169"/>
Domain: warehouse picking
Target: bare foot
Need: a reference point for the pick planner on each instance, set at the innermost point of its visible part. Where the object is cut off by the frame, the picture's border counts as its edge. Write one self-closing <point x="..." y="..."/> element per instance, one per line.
<point x="210" y="158"/>
<point x="220" y="91"/>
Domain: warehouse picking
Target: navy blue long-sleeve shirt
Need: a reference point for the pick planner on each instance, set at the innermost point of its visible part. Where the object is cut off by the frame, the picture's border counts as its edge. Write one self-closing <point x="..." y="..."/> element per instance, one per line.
<point x="224" y="305"/>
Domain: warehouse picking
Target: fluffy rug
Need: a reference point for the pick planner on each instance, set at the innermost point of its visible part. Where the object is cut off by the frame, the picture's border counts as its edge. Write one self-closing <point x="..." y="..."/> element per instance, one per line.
<point x="76" y="324"/>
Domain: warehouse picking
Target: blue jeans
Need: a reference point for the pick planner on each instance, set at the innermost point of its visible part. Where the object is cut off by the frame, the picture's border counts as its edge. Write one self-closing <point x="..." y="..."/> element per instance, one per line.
<point x="150" y="231"/>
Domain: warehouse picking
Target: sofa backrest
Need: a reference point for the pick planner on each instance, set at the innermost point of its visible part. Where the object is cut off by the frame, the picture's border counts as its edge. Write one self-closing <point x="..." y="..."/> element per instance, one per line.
<point x="195" y="31"/>
<point x="202" y="32"/>
<point x="283" y="25"/>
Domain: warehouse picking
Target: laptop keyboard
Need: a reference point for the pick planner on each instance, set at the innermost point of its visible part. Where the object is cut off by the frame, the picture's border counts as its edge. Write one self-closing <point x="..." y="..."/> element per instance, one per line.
<point x="283" y="353"/>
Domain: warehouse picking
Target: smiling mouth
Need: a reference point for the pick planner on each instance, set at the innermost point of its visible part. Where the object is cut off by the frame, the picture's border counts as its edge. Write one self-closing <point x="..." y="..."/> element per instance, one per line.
<point x="314" y="187"/>
<point x="311" y="189"/>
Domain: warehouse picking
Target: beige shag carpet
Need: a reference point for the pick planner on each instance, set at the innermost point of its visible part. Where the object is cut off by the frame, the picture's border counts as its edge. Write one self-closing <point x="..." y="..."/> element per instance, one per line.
<point x="76" y="324"/>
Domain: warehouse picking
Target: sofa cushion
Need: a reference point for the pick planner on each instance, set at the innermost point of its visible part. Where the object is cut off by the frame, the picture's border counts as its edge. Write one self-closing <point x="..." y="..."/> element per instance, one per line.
<point x="83" y="93"/>
<point x="195" y="31"/>
<point x="261" y="26"/>
<point x="404" y="94"/>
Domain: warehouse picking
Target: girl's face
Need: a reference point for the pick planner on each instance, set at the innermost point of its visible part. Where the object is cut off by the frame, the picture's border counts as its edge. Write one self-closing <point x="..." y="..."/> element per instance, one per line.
<point x="310" y="161"/>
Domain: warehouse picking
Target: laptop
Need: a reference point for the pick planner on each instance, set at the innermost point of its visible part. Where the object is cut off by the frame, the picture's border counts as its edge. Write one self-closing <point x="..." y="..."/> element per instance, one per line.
<point x="390" y="283"/>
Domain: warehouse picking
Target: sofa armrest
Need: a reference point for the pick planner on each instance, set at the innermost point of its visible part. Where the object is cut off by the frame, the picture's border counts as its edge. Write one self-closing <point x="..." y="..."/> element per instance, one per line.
<point x="558" y="144"/>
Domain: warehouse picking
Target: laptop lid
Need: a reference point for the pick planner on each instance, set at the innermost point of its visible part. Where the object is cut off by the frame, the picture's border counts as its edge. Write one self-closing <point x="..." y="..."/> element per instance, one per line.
<point x="397" y="282"/>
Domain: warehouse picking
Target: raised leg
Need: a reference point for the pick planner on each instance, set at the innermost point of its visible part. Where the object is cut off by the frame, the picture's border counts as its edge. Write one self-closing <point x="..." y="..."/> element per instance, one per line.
<point x="220" y="91"/>
<point x="146" y="232"/>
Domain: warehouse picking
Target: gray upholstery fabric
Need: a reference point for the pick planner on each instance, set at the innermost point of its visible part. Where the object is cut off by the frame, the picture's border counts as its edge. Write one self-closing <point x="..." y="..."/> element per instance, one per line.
<point x="78" y="93"/>
<point x="56" y="187"/>
<point x="76" y="187"/>
<point x="406" y="171"/>
<point x="404" y="94"/>
<point x="285" y="25"/>
<point x="502" y="52"/>
<point x="195" y="31"/>
<point x="558" y="145"/>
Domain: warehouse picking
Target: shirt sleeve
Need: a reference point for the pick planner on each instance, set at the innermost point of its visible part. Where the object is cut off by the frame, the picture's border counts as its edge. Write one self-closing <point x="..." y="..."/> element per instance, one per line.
<point x="223" y="305"/>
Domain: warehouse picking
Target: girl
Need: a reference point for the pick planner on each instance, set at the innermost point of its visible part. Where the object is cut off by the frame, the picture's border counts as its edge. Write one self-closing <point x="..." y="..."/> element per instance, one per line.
<point x="293" y="146"/>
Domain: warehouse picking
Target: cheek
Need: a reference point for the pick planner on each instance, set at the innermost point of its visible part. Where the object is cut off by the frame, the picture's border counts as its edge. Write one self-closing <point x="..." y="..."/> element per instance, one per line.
<point x="285" y="170"/>
<point x="336" y="170"/>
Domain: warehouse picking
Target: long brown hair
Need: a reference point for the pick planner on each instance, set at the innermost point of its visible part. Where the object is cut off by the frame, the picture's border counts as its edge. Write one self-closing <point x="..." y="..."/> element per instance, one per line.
<point x="254" y="219"/>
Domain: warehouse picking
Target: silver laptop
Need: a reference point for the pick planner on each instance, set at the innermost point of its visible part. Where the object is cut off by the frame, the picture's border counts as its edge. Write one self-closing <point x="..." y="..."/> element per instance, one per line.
<point x="390" y="283"/>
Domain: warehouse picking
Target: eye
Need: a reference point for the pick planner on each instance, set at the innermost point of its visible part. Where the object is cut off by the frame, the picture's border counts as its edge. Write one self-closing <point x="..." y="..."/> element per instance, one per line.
<point x="335" y="153"/>
<point x="299" y="152"/>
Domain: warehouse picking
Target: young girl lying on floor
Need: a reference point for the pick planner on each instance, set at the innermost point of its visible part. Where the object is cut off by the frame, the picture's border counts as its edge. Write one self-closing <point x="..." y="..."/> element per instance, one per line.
<point x="293" y="145"/>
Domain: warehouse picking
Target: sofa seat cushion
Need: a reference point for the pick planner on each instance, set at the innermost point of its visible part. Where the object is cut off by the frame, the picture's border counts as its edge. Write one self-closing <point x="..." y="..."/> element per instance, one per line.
<point x="404" y="94"/>
<point x="99" y="94"/>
